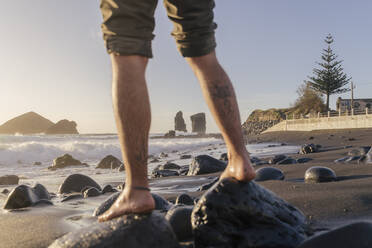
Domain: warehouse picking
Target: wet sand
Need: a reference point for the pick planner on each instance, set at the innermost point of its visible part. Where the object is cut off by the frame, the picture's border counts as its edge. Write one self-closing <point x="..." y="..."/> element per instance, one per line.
<point x="326" y="205"/>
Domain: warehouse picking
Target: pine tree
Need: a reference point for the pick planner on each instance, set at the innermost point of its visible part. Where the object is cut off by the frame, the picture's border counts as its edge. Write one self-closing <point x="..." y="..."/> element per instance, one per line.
<point x="330" y="78"/>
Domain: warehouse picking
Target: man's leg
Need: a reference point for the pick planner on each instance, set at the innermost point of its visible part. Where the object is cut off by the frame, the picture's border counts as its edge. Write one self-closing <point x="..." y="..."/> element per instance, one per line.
<point x="220" y="97"/>
<point x="132" y="114"/>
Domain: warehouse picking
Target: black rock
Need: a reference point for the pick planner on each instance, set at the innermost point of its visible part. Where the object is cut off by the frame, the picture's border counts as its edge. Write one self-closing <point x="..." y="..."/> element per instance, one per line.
<point x="72" y="197"/>
<point x="179" y="217"/>
<point x="342" y="160"/>
<point x="303" y="160"/>
<point x="184" y="199"/>
<point x="268" y="173"/>
<point x="287" y="161"/>
<point x="170" y="134"/>
<point x="121" y="168"/>
<point x="77" y="182"/>
<point x="356" y="235"/>
<point x="179" y="122"/>
<point x="145" y="231"/>
<point x="91" y="192"/>
<point x="108" y="189"/>
<point x="164" y="173"/>
<point x="163" y="155"/>
<point x="5" y="191"/>
<point x="277" y="158"/>
<point x="109" y="162"/>
<point x="184" y="170"/>
<point x="204" y="164"/>
<point x="64" y="161"/>
<point x="309" y="148"/>
<point x="24" y="196"/>
<point x="224" y="157"/>
<point x="9" y="180"/>
<point x="207" y="186"/>
<point x="319" y="174"/>
<point x="169" y="166"/>
<point x="160" y="204"/>
<point x="185" y="156"/>
<point x="198" y="123"/>
<point x="237" y="214"/>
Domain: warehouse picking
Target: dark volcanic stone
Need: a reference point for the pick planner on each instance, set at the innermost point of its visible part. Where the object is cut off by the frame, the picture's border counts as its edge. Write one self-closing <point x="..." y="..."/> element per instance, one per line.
<point x="5" y="191"/>
<point x="164" y="173"/>
<point x="236" y="214"/>
<point x="341" y="160"/>
<point x="208" y="185"/>
<point x="24" y="196"/>
<point x="121" y="168"/>
<point x="184" y="170"/>
<point x="268" y="173"/>
<point x="109" y="162"/>
<point x="72" y="197"/>
<point x="204" y="164"/>
<point x="9" y="180"/>
<point x="224" y="157"/>
<point x="185" y="156"/>
<point x="170" y="134"/>
<point x="287" y="161"/>
<point x="179" y="217"/>
<point x="77" y="182"/>
<point x="319" y="174"/>
<point x="184" y="199"/>
<point x="64" y="161"/>
<point x="179" y="122"/>
<point x="160" y="204"/>
<point x="169" y="166"/>
<point x="303" y="160"/>
<point x="356" y="235"/>
<point x="308" y="148"/>
<point x="277" y="158"/>
<point x="198" y="123"/>
<point x="91" y="192"/>
<point x="108" y="189"/>
<point x="145" y="231"/>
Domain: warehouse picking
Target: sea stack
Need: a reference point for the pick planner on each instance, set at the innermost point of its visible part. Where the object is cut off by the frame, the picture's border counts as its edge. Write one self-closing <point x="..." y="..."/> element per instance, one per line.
<point x="198" y="123"/>
<point x="179" y="122"/>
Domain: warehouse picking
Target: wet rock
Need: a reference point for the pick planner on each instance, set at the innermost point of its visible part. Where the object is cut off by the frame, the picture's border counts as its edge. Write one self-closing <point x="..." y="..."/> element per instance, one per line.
<point x="64" y="161"/>
<point x="341" y="160"/>
<point x="356" y="235"/>
<point x="109" y="162"/>
<point x="91" y="192"/>
<point x="198" y="123"/>
<point x="170" y="134"/>
<point x="183" y="170"/>
<point x="319" y="174"/>
<point x="308" y="148"/>
<point x="169" y="166"/>
<point x="9" y="180"/>
<point x="72" y="197"/>
<point x="179" y="217"/>
<point x="363" y="150"/>
<point x="352" y="158"/>
<point x="145" y="231"/>
<point x="163" y="173"/>
<point x="24" y="196"/>
<point x="207" y="186"/>
<point x="179" y="122"/>
<point x="287" y="161"/>
<point x="121" y="168"/>
<point x="252" y="217"/>
<point x="277" y="158"/>
<point x="303" y="160"/>
<point x="163" y="155"/>
<point x="37" y="163"/>
<point x="224" y="157"/>
<point x="5" y="191"/>
<point x="185" y="156"/>
<point x="108" y="189"/>
<point x="184" y="199"/>
<point x="77" y="182"/>
<point x="204" y="164"/>
<point x="160" y="204"/>
<point x="268" y="173"/>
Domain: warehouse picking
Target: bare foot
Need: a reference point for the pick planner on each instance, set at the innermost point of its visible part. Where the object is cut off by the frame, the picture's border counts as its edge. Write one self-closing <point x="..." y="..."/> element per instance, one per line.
<point x="130" y="201"/>
<point x="240" y="168"/>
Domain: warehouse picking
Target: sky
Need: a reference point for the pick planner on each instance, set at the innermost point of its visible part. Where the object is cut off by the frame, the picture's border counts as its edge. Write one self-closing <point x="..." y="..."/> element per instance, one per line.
<point x="53" y="61"/>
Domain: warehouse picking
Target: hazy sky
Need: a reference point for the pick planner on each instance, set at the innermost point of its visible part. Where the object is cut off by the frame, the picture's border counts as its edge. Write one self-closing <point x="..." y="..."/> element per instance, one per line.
<point x="53" y="61"/>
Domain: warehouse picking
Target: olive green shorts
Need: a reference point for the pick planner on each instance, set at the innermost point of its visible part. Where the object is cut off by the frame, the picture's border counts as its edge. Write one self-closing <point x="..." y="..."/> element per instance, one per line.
<point x="128" y="26"/>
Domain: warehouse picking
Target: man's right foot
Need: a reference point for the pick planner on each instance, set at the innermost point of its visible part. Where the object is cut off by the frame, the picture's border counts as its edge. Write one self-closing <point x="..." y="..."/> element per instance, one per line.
<point x="239" y="168"/>
<point x="130" y="201"/>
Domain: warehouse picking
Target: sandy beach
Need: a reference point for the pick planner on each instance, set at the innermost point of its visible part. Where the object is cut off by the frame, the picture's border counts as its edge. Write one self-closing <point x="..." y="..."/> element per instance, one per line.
<point x="325" y="205"/>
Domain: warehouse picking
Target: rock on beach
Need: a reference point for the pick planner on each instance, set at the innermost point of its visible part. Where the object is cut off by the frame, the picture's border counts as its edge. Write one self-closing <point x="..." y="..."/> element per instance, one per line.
<point x="24" y="196"/>
<point x="109" y="162"/>
<point x="9" y="180"/>
<point x="76" y="183"/>
<point x="204" y="164"/>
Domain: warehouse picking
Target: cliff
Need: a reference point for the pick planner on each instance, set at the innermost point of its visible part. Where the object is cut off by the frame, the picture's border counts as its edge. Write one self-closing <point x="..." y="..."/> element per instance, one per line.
<point x="63" y="127"/>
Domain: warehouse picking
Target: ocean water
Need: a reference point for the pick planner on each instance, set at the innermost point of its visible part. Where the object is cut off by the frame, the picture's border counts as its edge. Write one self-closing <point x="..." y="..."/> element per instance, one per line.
<point x="18" y="153"/>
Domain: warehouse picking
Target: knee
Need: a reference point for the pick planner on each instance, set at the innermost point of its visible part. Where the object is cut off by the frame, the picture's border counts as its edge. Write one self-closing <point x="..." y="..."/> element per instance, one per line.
<point x="203" y="61"/>
<point x="131" y="63"/>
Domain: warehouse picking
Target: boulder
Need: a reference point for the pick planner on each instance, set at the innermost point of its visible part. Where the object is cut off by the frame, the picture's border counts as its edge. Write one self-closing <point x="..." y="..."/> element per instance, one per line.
<point x="109" y="162"/>
<point x="355" y="235"/>
<point x="319" y="174"/>
<point x="108" y="189"/>
<point x="204" y="164"/>
<point x="183" y="170"/>
<point x="24" y="196"/>
<point x="5" y="191"/>
<point x="179" y="122"/>
<point x="268" y="173"/>
<point x="179" y="217"/>
<point x="277" y="158"/>
<point x="207" y="186"/>
<point x="76" y="183"/>
<point x="164" y="173"/>
<point x="63" y="127"/>
<point x="128" y="231"/>
<point x="91" y="192"/>
<point x="238" y="214"/>
<point x="184" y="199"/>
<point x="9" y="180"/>
<point x="198" y="123"/>
<point x="170" y="134"/>
<point x="309" y="148"/>
<point x="64" y="161"/>
<point x="168" y="166"/>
